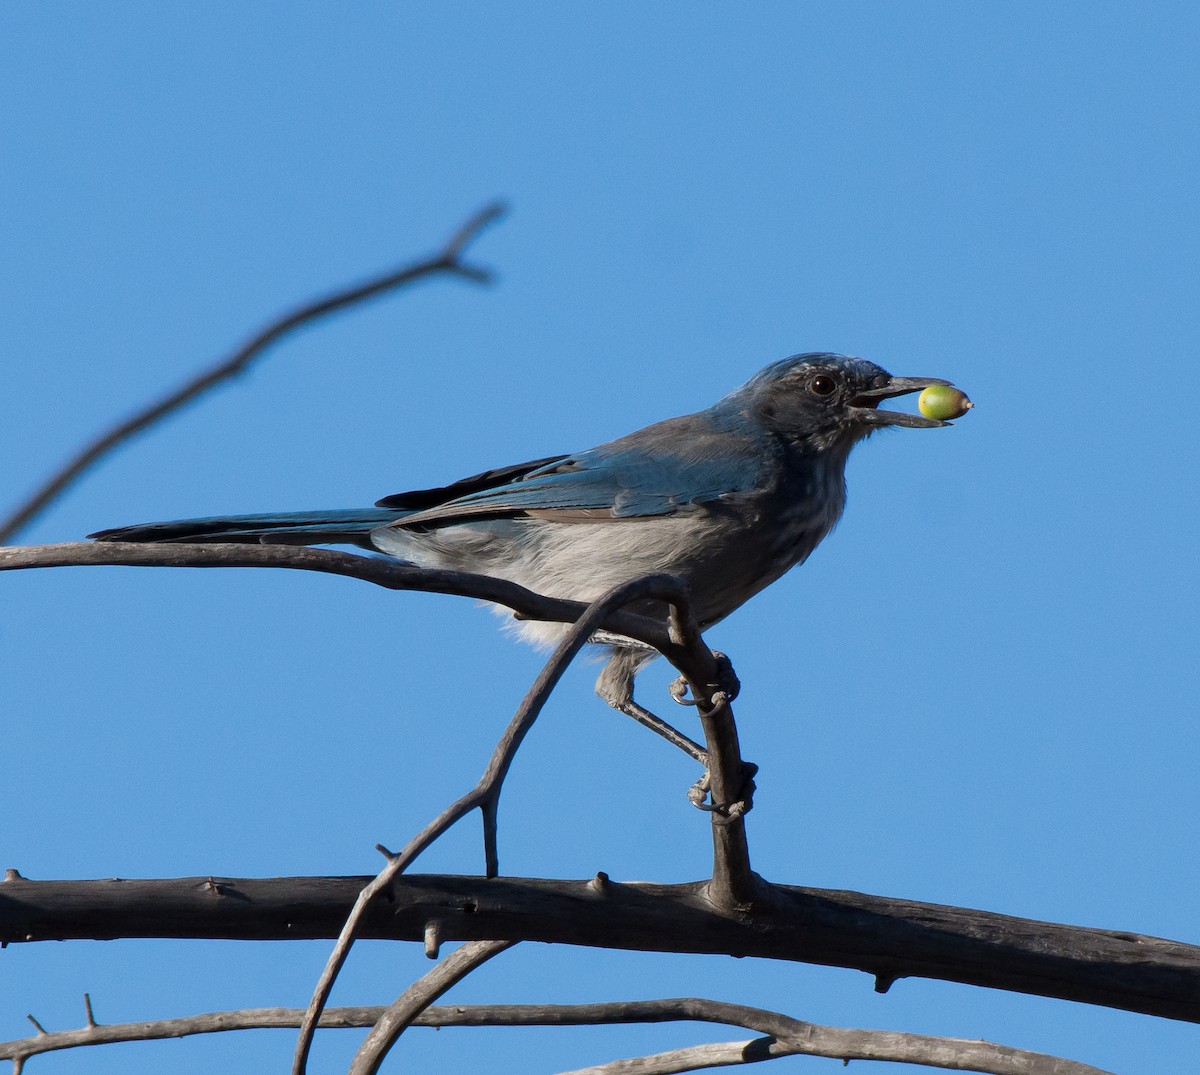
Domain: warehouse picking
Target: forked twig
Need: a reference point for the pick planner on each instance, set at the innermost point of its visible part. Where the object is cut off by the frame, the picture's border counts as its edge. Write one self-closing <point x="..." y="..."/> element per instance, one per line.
<point x="485" y="794"/>
<point x="734" y="882"/>
<point x="447" y="260"/>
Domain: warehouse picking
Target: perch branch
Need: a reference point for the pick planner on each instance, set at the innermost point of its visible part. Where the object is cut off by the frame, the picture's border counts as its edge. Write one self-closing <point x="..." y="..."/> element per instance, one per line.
<point x="734" y="883"/>
<point x="884" y="937"/>
<point x="833" y="1042"/>
<point x="389" y="574"/>
<point x="448" y="260"/>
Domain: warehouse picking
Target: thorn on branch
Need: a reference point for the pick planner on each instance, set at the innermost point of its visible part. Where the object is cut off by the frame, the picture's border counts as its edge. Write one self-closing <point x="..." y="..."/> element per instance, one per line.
<point x="13" y="875"/>
<point x="389" y="855"/>
<point x="36" y="1025"/>
<point x="600" y="884"/>
<point x="884" y="982"/>
<point x="87" y="1006"/>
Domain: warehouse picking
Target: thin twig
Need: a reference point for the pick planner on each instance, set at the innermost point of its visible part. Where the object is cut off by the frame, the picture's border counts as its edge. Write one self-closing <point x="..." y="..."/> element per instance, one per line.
<point x="824" y="1040"/>
<point x="447" y="261"/>
<point x="486" y="792"/>
<point x="417" y="997"/>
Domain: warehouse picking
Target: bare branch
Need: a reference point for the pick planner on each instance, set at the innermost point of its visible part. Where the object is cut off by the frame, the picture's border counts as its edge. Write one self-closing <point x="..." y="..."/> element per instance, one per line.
<point x="956" y="1054"/>
<point x="417" y="997"/>
<point x="378" y="570"/>
<point x="885" y="937"/>
<point x="93" y="1033"/>
<point x="447" y="261"/>
<point x="735" y="884"/>
<point x="681" y="644"/>
<point x="833" y="1042"/>
<point x="486" y="792"/>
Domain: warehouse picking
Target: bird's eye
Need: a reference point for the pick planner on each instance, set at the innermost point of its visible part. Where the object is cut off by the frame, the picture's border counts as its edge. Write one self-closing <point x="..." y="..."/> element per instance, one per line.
<point x="822" y="385"/>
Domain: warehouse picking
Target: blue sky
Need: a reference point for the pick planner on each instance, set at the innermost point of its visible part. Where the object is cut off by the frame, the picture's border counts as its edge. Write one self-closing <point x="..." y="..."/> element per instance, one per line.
<point x="979" y="691"/>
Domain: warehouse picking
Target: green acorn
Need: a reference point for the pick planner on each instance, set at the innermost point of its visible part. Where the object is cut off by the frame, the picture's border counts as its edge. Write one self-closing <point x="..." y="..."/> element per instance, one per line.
<point x="943" y="402"/>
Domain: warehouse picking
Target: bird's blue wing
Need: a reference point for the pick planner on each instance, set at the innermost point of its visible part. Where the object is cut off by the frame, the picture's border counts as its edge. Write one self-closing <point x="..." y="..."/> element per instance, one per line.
<point x="419" y="499"/>
<point x="665" y="469"/>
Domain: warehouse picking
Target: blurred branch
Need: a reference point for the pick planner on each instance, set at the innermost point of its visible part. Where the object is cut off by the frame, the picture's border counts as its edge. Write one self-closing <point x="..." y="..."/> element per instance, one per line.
<point x="810" y="1039"/>
<point x="446" y="261"/>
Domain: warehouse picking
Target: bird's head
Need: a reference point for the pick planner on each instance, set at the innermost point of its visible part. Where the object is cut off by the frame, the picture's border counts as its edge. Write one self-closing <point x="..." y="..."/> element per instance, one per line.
<point x="823" y="401"/>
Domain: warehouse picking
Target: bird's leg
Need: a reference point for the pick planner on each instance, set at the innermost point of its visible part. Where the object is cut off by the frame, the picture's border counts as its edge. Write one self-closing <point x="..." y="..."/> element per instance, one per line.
<point x="615" y="686"/>
<point x="671" y="734"/>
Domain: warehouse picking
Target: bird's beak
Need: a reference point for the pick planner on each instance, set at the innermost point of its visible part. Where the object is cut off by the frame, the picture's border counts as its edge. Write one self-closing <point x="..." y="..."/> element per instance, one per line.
<point x="865" y="406"/>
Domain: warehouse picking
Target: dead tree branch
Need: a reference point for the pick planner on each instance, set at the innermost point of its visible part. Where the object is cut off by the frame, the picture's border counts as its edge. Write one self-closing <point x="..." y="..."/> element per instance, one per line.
<point x="680" y="642"/>
<point x="888" y="938"/>
<point x="486" y="793"/>
<point x="957" y="1054"/>
<point x="390" y="574"/>
<point x="447" y="261"/>
<point x="812" y="1039"/>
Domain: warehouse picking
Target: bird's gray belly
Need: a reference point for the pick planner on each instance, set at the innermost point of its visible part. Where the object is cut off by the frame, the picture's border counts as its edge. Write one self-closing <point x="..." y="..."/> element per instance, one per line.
<point x="725" y="557"/>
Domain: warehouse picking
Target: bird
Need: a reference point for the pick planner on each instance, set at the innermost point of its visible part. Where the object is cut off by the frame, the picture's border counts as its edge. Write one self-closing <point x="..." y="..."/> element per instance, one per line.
<point x="727" y="499"/>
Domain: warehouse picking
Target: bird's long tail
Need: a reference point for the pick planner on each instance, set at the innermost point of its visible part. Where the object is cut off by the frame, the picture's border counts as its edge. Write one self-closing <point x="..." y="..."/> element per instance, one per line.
<point x="340" y="527"/>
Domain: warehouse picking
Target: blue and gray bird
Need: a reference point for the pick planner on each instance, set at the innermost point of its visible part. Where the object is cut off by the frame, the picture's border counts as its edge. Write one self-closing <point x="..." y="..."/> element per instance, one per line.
<point x="726" y="499"/>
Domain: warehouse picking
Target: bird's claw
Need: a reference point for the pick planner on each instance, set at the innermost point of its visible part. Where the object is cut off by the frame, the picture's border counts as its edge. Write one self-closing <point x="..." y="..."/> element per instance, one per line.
<point x="727" y="683"/>
<point x="743" y="802"/>
<point x="679" y="691"/>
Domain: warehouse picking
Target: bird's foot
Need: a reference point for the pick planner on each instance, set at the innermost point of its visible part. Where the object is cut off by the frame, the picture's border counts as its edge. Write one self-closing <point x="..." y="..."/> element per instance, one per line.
<point x="727" y="683"/>
<point x="743" y="801"/>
